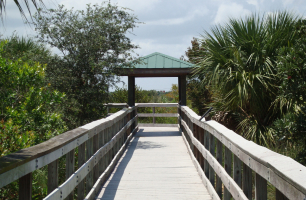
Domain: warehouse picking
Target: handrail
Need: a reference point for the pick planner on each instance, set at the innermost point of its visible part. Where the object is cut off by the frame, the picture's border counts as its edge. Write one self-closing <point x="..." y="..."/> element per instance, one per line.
<point x="154" y="114"/>
<point x="103" y="140"/>
<point x="209" y="143"/>
<point x="206" y="141"/>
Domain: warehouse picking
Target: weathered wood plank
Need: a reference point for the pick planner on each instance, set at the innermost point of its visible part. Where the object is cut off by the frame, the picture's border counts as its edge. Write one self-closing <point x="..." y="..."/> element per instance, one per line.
<point x="237" y="171"/>
<point x="279" y="195"/>
<point x="247" y="181"/>
<point x="70" y="169"/>
<point x="156" y="125"/>
<point x="212" y="147"/>
<point x="95" y="189"/>
<point x="231" y="185"/>
<point x="260" y="188"/>
<point x="220" y="160"/>
<point x="89" y="153"/>
<point x="63" y="190"/>
<point x="95" y="149"/>
<point x="25" y="187"/>
<point x="157" y="115"/>
<point x="206" y="145"/>
<point x="23" y="156"/>
<point x="52" y="176"/>
<point x="81" y="161"/>
<point x="228" y="169"/>
<point x="151" y="173"/>
<point x="141" y="105"/>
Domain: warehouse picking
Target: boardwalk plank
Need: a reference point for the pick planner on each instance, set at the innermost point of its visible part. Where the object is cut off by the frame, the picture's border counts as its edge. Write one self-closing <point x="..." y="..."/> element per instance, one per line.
<point x="156" y="165"/>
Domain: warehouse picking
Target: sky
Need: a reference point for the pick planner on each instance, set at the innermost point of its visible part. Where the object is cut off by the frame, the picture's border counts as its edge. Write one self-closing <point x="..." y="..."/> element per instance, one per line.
<point x="168" y="25"/>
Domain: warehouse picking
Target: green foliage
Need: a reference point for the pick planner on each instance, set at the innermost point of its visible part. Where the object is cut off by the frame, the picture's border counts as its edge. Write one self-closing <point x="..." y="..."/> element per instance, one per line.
<point x="94" y="47"/>
<point x="240" y="66"/>
<point x="25" y="50"/>
<point x="26" y="106"/>
<point x="290" y="128"/>
<point x="120" y="95"/>
<point x="29" y="108"/>
<point x="198" y="94"/>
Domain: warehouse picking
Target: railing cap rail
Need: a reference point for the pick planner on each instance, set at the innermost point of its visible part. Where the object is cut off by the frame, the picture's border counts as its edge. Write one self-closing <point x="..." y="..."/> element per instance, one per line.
<point x="285" y="167"/>
<point x="23" y="156"/>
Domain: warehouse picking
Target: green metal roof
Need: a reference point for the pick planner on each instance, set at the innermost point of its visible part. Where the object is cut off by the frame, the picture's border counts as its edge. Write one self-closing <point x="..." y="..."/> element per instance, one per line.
<point x="159" y="60"/>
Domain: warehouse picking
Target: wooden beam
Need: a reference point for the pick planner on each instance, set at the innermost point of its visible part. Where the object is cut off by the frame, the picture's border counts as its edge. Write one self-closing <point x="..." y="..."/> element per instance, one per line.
<point x="131" y="91"/>
<point x="182" y="89"/>
<point x="52" y="176"/>
<point x="156" y="72"/>
<point x="25" y="187"/>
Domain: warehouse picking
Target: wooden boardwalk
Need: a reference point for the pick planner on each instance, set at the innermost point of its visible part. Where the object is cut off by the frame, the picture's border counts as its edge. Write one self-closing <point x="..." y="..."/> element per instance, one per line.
<point x="156" y="165"/>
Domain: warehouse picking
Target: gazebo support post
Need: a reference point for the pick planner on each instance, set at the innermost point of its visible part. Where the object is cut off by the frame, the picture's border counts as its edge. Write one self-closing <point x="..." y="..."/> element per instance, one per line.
<point x="182" y="89"/>
<point x="131" y="91"/>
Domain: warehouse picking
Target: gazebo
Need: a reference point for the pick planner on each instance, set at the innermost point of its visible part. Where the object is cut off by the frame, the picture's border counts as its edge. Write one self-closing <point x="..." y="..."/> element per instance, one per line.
<point x="159" y="65"/>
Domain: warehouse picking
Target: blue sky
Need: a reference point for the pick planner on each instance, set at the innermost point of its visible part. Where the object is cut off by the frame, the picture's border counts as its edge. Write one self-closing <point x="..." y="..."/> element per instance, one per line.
<point x="169" y="25"/>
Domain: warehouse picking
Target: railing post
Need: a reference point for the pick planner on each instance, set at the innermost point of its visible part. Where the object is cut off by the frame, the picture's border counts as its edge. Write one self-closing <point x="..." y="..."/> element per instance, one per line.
<point x="279" y="195"/>
<point x="25" y="187"/>
<point x="89" y="153"/>
<point x="70" y="169"/>
<point x="212" y="152"/>
<point x="52" y="176"/>
<point x="219" y="159"/>
<point x="261" y="188"/>
<point x="228" y="169"/>
<point x="237" y="170"/>
<point x="81" y="161"/>
<point x="201" y="132"/>
<point x="153" y="110"/>
<point x="101" y="141"/>
<point x="247" y="181"/>
<point x="195" y="134"/>
<point x="95" y="149"/>
<point x="206" y="144"/>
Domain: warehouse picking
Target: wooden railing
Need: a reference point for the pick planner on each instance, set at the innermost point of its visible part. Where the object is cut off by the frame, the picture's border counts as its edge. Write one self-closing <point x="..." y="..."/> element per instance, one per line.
<point x="227" y="163"/>
<point x="154" y="114"/>
<point x="212" y="147"/>
<point x="99" y="145"/>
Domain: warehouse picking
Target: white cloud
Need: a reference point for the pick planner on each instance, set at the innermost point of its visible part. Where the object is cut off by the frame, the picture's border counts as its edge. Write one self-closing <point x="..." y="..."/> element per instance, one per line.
<point x="254" y="3"/>
<point x="180" y="20"/>
<point x="287" y="2"/>
<point x="233" y="10"/>
<point x="138" y="5"/>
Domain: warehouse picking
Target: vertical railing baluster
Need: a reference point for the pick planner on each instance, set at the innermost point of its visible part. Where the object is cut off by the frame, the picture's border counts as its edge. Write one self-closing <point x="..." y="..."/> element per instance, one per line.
<point x="89" y="153"/>
<point x="201" y="132"/>
<point x="81" y="161"/>
<point x="237" y="170"/>
<point x="195" y="134"/>
<point x="228" y="169"/>
<point x="153" y="110"/>
<point x="25" y="187"/>
<point x="212" y="146"/>
<point x="279" y="195"/>
<point x="52" y="176"/>
<point x="95" y="149"/>
<point x="206" y="144"/>
<point x="261" y="188"/>
<point x="101" y="143"/>
<point x="219" y="159"/>
<point x="247" y="181"/>
<point x="70" y="160"/>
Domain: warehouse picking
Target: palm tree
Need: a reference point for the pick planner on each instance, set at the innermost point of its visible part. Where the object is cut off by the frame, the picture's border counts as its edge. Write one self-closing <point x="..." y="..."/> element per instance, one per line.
<point x="37" y="4"/>
<point x="240" y="67"/>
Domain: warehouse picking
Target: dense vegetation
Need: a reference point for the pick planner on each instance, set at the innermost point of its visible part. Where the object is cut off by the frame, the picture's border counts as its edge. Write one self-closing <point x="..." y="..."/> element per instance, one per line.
<point x="253" y="68"/>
